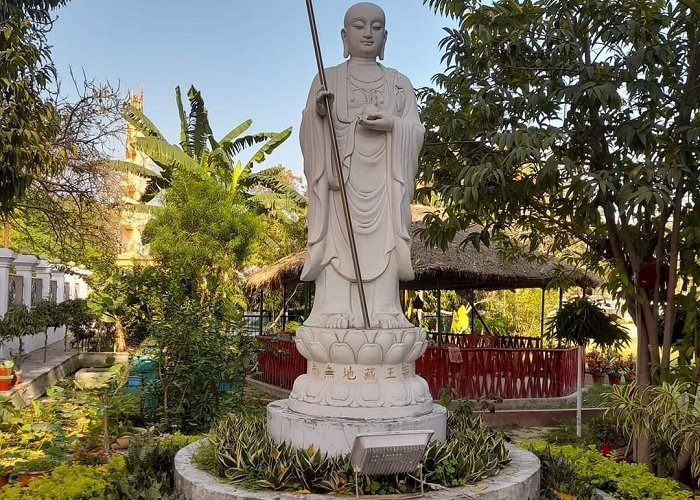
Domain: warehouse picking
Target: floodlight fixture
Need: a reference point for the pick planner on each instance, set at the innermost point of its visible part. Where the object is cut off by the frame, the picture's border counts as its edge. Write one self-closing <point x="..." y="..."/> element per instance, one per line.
<point x="393" y="452"/>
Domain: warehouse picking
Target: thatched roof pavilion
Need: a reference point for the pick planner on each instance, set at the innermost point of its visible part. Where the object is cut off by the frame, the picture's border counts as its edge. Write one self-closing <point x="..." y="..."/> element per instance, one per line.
<point x="457" y="268"/>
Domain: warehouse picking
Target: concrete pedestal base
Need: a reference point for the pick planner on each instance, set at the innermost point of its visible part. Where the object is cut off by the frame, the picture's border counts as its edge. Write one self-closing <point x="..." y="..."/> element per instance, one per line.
<point x="519" y="480"/>
<point x="335" y="435"/>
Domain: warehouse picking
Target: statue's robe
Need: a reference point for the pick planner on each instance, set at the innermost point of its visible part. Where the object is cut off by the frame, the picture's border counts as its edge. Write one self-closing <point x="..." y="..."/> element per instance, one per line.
<point x="379" y="169"/>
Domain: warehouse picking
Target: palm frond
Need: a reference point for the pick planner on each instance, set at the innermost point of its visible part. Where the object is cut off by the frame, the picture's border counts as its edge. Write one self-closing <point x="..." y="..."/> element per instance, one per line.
<point x="183" y="122"/>
<point x="139" y="121"/>
<point x="165" y="154"/>
<point x="276" y="204"/>
<point x="226" y="140"/>
<point x="269" y="179"/>
<point x="235" y="176"/>
<point x="272" y="144"/>
<point x="198" y="128"/>
<point x="220" y="160"/>
<point x="127" y="167"/>
<point x="156" y="185"/>
<point x="204" y="160"/>
<point x="246" y="141"/>
<point x="139" y="208"/>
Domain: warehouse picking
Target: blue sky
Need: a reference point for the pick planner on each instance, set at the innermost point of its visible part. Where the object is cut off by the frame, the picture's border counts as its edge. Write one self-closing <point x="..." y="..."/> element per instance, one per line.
<point x="250" y="58"/>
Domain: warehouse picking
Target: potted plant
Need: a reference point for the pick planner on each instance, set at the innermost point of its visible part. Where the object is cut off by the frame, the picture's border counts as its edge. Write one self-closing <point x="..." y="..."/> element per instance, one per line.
<point x="6" y="366"/>
<point x="123" y="442"/>
<point x="629" y="368"/>
<point x="596" y="366"/>
<point x="7" y="464"/>
<point x="6" y="382"/>
<point x="615" y="363"/>
<point x="34" y="466"/>
<point x="580" y="321"/>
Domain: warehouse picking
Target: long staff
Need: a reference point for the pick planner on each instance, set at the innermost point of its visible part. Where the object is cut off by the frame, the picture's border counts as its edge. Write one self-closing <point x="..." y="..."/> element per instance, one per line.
<point x="337" y="165"/>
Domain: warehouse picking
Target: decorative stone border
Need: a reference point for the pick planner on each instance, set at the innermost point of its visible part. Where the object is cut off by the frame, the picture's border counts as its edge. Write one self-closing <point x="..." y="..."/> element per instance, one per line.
<point x="519" y="480"/>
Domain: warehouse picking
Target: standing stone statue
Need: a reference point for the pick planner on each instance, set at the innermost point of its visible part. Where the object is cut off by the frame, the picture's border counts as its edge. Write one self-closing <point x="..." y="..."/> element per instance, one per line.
<point x="354" y="372"/>
<point x="380" y="135"/>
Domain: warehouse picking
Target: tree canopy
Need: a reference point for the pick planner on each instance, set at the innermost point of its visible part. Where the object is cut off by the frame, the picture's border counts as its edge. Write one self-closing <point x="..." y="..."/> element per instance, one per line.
<point x="572" y="126"/>
<point x="28" y="119"/>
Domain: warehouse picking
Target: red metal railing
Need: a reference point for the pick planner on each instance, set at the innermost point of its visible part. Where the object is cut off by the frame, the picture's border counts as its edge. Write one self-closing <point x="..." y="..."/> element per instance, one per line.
<point x="279" y="363"/>
<point x="499" y="372"/>
<point x="505" y="373"/>
<point x="469" y="340"/>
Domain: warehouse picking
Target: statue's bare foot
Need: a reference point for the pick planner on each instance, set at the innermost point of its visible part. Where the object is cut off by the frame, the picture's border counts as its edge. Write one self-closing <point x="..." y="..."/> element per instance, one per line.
<point x="388" y="320"/>
<point x="340" y="320"/>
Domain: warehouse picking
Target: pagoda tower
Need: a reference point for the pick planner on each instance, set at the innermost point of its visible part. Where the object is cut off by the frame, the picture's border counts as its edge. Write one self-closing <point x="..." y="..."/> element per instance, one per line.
<point x="134" y="214"/>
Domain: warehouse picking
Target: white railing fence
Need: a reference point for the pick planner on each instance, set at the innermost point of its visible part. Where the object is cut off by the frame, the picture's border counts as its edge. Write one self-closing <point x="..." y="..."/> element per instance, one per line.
<point x="26" y="279"/>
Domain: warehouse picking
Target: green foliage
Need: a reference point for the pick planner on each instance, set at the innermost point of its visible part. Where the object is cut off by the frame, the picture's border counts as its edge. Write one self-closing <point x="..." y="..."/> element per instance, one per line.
<point x="571" y="127"/>
<point x="580" y="321"/>
<point x="195" y="346"/>
<point x="62" y="423"/>
<point x="28" y="118"/>
<point x="240" y="450"/>
<point x="18" y="321"/>
<point x="669" y="414"/>
<point x="624" y="481"/>
<point x="88" y="330"/>
<point x="39" y="464"/>
<point x="148" y="470"/>
<point x="604" y="430"/>
<point x="517" y="312"/>
<point x="199" y="152"/>
<point x="35" y="9"/>
<point x="128" y="295"/>
<point x="558" y="475"/>
<point x="210" y="169"/>
<point x="203" y="229"/>
<point x="189" y="325"/>
<point x="596" y="431"/>
<point x="68" y="482"/>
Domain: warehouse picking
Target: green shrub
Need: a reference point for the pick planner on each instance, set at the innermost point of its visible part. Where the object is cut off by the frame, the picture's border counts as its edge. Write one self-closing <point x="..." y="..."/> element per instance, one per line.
<point x="624" y="481"/>
<point x="558" y="475"/>
<point x="68" y="482"/>
<point x="602" y="429"/>
<point x="149" y="470"/>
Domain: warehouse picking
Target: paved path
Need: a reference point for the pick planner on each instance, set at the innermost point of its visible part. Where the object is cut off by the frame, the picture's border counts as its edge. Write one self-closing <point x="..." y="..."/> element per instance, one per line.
<point x="33" y="365"/>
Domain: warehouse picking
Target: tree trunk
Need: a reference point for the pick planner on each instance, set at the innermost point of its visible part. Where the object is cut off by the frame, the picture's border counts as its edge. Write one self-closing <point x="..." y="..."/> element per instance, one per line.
<point x="642" y="446"/>
<point x="119" y="341"/>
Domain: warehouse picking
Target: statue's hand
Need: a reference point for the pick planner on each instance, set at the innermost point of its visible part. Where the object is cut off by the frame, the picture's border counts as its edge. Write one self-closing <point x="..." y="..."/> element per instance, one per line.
<point x="376" y="120"/>
<point x="321" y="101"/>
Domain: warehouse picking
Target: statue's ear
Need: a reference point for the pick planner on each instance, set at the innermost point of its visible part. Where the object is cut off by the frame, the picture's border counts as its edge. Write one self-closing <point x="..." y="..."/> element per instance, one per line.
<point x="381" y="52"/>
<point x="343" y="36"/>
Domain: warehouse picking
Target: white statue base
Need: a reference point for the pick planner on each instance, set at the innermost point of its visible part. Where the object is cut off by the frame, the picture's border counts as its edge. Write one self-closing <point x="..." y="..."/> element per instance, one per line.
<point x="357" y="381"/>
<point x="335" y="435"/>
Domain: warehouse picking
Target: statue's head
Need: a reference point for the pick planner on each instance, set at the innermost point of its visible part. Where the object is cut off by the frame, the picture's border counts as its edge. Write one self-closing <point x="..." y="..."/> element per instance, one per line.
<point x="363" y="31"/>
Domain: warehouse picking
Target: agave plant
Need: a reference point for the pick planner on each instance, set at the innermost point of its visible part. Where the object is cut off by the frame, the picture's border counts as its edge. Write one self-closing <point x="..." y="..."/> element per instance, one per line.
<point x="247" y="456"/>
<point x="198" y="151"/>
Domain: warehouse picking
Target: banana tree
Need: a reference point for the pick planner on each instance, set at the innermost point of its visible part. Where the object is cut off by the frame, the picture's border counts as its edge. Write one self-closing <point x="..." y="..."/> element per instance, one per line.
<point x="198" y="151"/>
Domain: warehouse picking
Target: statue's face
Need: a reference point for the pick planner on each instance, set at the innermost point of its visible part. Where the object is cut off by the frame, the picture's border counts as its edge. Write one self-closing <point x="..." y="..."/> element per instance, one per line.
<point x="364" y="34"/>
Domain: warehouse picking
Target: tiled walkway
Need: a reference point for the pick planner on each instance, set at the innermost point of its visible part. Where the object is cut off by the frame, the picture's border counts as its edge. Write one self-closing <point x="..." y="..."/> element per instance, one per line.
<point x="37" y="374"/>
